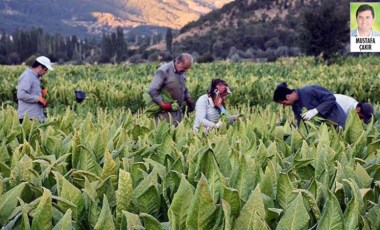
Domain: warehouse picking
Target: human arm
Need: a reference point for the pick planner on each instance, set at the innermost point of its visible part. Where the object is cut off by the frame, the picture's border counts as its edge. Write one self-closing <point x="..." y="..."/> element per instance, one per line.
<point x="155" y="91"/>
<point x="297" y="110"/>
<point x="201" y="113"/>
<point x="155" y="87"/>
<point x="24" y="90"/>
<point x="325" y="99"/>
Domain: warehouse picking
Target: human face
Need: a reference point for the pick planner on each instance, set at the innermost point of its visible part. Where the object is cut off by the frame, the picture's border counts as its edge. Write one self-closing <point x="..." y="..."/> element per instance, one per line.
<point x="290" y="99"/>
<point x="183" y="66"/>
<point x="222" y="89"/>
<point x="365" y="21"/>
<point x="360" y="112"/>
<point x="42" y="71"/>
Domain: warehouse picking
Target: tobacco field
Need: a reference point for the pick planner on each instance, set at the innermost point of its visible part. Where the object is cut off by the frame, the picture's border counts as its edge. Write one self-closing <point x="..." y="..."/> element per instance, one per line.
<point x="104" y="164"/>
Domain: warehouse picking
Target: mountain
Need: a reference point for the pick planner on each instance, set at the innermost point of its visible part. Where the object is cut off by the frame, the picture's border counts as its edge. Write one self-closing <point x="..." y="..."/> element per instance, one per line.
<point x="91" y="17"/>
<point x="246" y="29"/>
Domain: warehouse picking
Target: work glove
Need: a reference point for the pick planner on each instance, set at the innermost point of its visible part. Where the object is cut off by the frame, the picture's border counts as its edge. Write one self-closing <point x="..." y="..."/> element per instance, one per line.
<point x="309" y="114"/>
<point x="44" y="92"/>
<point x="166" y="107"/>
<point x="42" y="101"/>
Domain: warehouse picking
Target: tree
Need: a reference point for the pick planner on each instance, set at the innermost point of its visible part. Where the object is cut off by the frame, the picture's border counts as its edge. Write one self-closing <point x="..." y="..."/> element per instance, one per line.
<point x="325" y="29"/>
<point x="169" y="40"/>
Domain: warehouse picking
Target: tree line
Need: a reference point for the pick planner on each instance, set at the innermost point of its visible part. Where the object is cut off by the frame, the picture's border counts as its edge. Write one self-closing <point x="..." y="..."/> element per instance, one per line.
<point x="23" y="45"/>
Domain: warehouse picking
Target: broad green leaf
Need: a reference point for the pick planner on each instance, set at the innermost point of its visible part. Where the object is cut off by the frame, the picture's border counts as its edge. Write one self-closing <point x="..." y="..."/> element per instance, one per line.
<point x="232" y="197"/>
<point x="100" y="142"/>
<point x="202" y="207"/>
<point x="362" y="177"/>
<point x="312" y="202"/>
<point x="269" y="180"/>
<point x="8" y="202"/>
<point x="245" y="177"/>
<point x="131" y="221"/>
<point x="354" y="128"/>
<point x="149" y="201"/>
<point x="72" y="194"/>
<point x="90" y="190"/>
<point x="124" y="193"/>
<point x="87" y="161"/>
<point x="105" y="220"/>
<point x="285" y="189"/>
<point x="332" y="217"/>
<point x="209" y="168"/>
<point x="179" y="207"/>
<point x="253" y="213"/>
<point x="374" y="216"/>
<point x="109" y="167"/>
<point x="150" y="222"/>
<point x="65" y="223"/>
<point x="296" y="141"/>
<point x="25" y="219"/>
<point x="22" y="171"/>
<point x="295" y="217"/>
<point x="227" y="215"/>
<point x="352" y="212"/>
<point x="43" y="216"/>
<point x="261" y="155"/>
<point x="221" y="151"/>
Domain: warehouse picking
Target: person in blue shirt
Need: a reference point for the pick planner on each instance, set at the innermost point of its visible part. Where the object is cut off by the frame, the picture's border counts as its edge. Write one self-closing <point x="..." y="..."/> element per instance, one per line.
<point x="316" y="99"/>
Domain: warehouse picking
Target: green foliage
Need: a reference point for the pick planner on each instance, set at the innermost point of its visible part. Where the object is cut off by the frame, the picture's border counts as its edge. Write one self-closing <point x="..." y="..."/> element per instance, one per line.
<point x="103" y="168"/>
<point x="325" y="29"/>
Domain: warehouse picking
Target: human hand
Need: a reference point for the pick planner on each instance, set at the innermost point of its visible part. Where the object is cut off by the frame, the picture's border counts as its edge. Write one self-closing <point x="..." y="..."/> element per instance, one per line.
<point x="44" y="92"/>
<point x="190" y="105"/>
<point x="43" y="102"/>
<point x="166" y="107"/>
<point x="309" y="114"/>
<point x="218" y="124"/>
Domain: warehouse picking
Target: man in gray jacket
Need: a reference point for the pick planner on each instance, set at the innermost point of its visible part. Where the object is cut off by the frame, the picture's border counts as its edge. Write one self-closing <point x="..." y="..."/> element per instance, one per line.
<point x="30" y="95"/>
<point x="172" y="77"/>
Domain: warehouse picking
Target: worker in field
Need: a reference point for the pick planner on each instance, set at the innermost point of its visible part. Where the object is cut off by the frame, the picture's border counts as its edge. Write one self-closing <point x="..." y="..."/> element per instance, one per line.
<point x="364" y="110"/>
<point x="211" y="107"/>
<point x="316" y="99"/>
<point x="171" y="77"/>
<point x="30" y="95"/>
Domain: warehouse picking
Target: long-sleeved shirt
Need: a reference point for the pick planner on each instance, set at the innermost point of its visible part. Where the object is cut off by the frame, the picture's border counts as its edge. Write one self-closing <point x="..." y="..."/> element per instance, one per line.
<point x="167" y="78"/>
<point x="315" y="96"/>
<point x="28" y="92"/>
<point x="206" y="114"/>
<point x="347" y="103"/>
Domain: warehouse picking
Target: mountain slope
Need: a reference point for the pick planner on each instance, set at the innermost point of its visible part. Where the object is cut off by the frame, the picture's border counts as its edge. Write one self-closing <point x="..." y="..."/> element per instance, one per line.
<point x="83" y="17"/>
<point x="245" y="27"/>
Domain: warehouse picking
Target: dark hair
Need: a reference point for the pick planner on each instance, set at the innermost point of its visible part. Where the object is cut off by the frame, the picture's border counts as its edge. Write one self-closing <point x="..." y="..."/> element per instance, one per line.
<point x="36" y="64"/>
<point x="366" y="110"/>
<point x="365" y="7"/>
<point x="281" y="91"/>
<point x="214" y="83"/>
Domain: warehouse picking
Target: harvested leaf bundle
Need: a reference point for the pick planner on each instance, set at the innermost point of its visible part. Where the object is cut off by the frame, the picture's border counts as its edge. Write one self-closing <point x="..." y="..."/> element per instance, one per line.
<point x="152" y="108"/>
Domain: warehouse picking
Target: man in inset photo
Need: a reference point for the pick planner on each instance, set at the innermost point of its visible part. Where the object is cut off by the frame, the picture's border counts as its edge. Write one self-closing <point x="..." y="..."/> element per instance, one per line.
<point x="365" y="17"/>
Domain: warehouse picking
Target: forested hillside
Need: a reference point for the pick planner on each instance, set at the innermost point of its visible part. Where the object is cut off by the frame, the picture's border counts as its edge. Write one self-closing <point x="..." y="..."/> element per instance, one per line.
<point x="256" y="29"/>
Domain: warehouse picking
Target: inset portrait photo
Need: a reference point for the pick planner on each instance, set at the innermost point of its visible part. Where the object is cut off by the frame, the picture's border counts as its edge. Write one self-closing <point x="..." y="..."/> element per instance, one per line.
<point x="365" y="26"/>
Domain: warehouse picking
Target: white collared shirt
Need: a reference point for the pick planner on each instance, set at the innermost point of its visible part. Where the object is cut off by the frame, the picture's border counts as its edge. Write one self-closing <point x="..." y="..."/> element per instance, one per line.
<point x="347" y="103"/>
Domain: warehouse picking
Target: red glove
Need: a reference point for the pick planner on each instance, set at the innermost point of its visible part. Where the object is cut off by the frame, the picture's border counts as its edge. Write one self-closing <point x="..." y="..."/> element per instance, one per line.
<point x="42" y="101"/>
<point x="166" y="107"/>
<point x="44" y="92"/>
